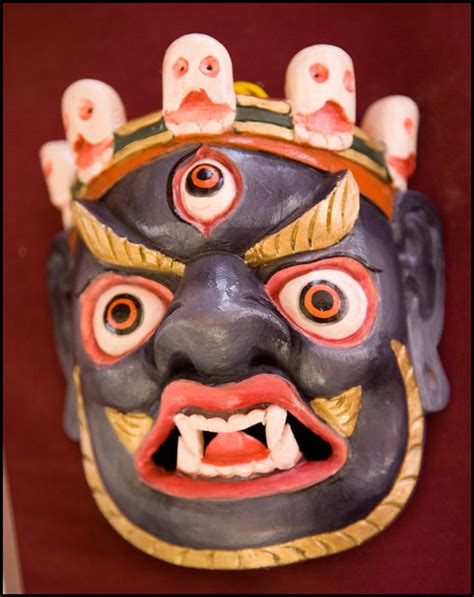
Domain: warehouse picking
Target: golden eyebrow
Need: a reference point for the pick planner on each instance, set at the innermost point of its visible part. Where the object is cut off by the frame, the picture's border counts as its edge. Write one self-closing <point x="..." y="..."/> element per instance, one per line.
<point x="321" y="226"/>
<point x="108" y="246"/>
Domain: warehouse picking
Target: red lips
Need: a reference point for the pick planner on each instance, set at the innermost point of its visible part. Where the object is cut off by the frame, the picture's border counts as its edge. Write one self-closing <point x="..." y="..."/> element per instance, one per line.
<point x="87" y="153"/>
<point x="229" y="398"/>
<point x="331" y="118"/>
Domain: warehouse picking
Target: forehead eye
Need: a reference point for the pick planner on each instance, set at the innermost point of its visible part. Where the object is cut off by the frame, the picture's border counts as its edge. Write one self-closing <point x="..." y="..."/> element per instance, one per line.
<point x="180" y="67"/>
<point x="86" y="108"/>
<point x="209" y="66"/>
<point x="319" y="72"/>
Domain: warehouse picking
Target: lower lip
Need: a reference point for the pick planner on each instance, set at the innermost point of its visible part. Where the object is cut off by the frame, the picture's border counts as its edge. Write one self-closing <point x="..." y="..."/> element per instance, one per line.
<point x="264" y="388"/>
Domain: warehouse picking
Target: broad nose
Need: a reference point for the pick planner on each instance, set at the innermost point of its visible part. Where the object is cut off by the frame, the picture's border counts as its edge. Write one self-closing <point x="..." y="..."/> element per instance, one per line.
<point x="221" y="322"/>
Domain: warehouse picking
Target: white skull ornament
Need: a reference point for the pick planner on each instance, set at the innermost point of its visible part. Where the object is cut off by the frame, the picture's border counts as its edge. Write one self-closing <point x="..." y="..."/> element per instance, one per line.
<point x="198" y="86"/>
<point x="92" y="110"/>
<point x="57" y="163"/>
<point x="394" y="120"/>
<point x="320" y="86"/>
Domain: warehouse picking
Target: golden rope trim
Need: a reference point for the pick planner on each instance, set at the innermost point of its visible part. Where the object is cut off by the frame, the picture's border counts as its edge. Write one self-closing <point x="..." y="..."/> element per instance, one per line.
<point x="342" y="411"/>
<point x="107" y="246"/>
<point x="263" y="128"/>
<point x="364" y="160"/>
<point x="284" y="553"/>
<point x="137" y="123"/>
<point x="277" y="106"/>
<point x="322" y="226"/>
<point x="131" y="428"/>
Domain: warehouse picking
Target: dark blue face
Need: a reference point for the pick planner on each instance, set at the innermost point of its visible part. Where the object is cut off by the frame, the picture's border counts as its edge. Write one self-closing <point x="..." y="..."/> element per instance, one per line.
<point x="215" y="373"/>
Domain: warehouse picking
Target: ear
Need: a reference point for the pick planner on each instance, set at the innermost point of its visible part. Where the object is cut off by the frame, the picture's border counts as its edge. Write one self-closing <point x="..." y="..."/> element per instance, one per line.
<point x="60" y="266"/>
<point x="417" y="231"/>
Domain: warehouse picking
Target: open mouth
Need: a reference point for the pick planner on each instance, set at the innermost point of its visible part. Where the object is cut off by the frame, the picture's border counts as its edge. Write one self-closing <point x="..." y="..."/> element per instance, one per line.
<point x="198" y="107"/>
<point x="87" y="153"/>
<point x="404" y="166"/>
<point x="252" y="438"/>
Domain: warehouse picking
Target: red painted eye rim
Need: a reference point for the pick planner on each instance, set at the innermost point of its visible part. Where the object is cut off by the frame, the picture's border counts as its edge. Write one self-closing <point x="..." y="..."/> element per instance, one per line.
<point x="177" y="70"/>
<point x="205" y="153"/>
<point x="88" y="302"/>
<point x="348" y="266"/>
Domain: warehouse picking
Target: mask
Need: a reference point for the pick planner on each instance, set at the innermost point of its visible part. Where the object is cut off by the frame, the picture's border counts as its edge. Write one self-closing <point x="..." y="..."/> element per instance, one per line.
<point x="247" y="309"/>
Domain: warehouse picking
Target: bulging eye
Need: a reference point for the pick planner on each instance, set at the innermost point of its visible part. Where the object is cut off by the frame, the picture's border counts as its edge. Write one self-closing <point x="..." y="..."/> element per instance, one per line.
<point x="119" y="314"/>
<point x="206" y="189"/>
<point x="319" y="72"/>
<point x="333" y="300"/>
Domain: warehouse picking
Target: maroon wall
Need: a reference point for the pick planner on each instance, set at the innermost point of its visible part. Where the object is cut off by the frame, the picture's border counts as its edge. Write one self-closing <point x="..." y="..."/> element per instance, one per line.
<point x="421" y="50"/>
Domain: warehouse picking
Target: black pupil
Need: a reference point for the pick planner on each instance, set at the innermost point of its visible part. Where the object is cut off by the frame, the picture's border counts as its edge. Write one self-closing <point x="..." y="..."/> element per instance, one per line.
<point x="322" y="300"/>
<point x="118" y="311"/>
<point x="204" y="172"/>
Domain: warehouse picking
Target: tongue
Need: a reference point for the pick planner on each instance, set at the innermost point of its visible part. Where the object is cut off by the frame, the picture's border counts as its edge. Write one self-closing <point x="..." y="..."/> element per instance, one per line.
<point x="234" y="448"/>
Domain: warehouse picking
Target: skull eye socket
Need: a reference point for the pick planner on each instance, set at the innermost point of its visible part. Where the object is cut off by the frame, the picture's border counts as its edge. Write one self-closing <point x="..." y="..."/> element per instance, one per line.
<point x="332" y="301"/>
<point x="348" y="81"/>
<point x="209" y="66"/>
<point x="180" y="67"/>
<point x="319" y="72"/>
<point x="86" y="109"/>
<point x="204" y="179"/>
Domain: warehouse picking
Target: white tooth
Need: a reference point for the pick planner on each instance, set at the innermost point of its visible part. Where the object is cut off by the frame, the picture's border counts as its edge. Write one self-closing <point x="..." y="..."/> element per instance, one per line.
<point x="188" y="128"/>
<point x="187" y="462"/>
<point x="192" y="436"/>
<point x="264" y="466"/>
<point x="275" y="419"/>
<point x="238" y="422"/>
<point x="198" y="422"/>
<point x="208" y="470"/>
<point x="287" y="453"/>
<point x="244" y="470"/>
<point x="217" y="425"/>
<point x="318" y="140"/>
<point x="212" y="127"/>
<point x="256" y="416"/>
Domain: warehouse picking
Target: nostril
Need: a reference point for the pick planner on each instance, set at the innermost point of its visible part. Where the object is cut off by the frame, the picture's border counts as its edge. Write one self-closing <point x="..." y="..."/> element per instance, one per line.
<point x="263" y="359"/>
<point x="180" y="367"/>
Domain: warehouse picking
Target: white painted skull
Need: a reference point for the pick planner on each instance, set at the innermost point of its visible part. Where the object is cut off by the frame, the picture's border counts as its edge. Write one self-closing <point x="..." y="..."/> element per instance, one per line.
<point x="59" y="171"/>
<point x="198" y="86"/>
<point x="394" y="120"/>
<point x="320" y="85"/>
<point x="92" y="110"/>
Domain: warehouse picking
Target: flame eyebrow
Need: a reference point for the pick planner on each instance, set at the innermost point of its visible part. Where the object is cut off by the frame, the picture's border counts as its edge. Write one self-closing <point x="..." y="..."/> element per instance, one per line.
<point x="107" y="246"/>
<point x="323" y="225"/>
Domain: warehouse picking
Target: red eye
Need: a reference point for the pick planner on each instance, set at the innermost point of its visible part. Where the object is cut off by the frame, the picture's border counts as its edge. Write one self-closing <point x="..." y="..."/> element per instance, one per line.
<point x="209" y="66"/>
<point x="409" y="126"/>
<point x="319" y="72"/>
<point x="332" y="301"/>
<point x="86" y="109"/>
<point x="349" y="81"/>
<point x="47" y="168"/>
<point x="180" y="67"/>
<point x="119" y="313"/>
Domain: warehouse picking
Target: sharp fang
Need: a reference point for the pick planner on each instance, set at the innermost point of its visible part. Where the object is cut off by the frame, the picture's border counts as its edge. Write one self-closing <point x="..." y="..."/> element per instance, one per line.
<point x="192" y="437"/>
<point x="186" y="461"/>
<point x="274" y="424"/>
<point x="287" y="453"/>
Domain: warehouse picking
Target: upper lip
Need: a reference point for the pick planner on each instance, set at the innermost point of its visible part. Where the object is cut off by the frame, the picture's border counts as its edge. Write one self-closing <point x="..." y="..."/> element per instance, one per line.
<point x="256" y="390"/>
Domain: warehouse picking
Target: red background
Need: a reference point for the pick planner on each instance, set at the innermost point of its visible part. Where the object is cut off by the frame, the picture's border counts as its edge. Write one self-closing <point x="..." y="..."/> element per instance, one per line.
<point x="421" y="50"/>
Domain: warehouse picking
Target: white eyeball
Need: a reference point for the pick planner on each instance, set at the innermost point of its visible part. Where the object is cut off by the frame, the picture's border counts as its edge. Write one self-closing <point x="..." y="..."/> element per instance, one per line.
<point x="124" y="316"/>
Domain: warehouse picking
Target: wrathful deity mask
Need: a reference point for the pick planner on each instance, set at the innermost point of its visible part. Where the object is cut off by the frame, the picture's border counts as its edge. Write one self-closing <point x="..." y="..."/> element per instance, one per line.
<point x="247" y="305"/>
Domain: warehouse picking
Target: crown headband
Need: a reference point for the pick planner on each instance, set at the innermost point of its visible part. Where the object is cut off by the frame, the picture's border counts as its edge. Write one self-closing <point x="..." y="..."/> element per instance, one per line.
<point x="314" y="125"/>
